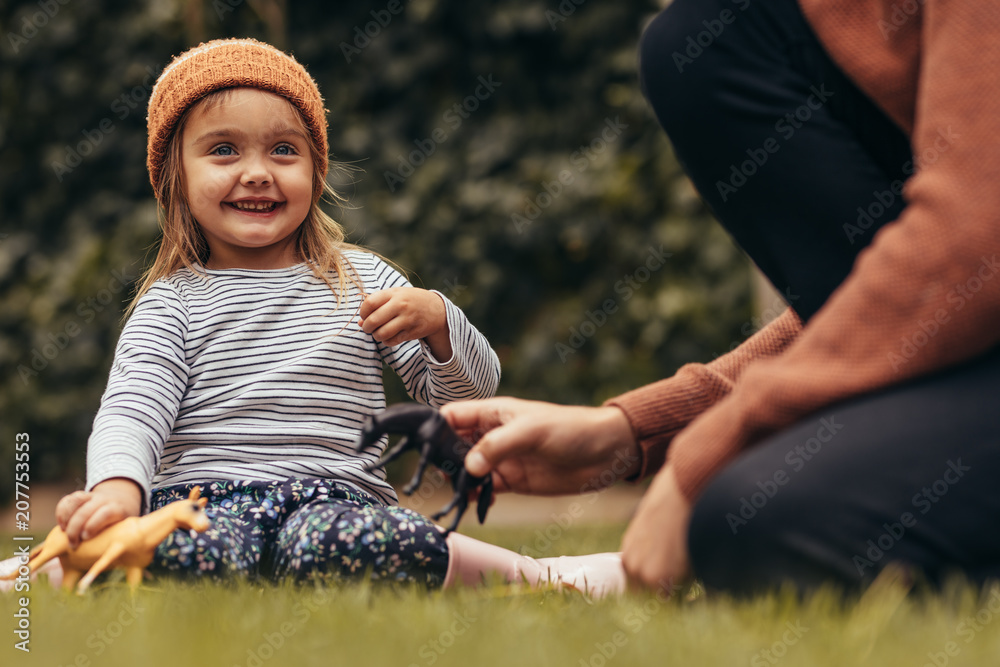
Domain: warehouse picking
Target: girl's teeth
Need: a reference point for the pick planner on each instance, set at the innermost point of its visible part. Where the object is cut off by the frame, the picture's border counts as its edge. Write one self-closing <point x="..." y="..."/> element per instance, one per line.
<point x="254" y="206"/>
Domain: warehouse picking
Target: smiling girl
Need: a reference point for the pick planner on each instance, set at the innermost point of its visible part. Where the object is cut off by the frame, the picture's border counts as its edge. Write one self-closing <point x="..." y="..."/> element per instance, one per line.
<point x="253" y="353"/>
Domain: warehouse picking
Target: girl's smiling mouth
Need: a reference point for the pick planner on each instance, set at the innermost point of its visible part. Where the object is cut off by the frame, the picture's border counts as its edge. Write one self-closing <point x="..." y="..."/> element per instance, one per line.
<point x="257" y="206"/>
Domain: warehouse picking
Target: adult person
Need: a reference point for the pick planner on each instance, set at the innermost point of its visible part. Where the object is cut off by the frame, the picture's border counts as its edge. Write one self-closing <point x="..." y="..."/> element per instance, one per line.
<point x="850" y="147"/>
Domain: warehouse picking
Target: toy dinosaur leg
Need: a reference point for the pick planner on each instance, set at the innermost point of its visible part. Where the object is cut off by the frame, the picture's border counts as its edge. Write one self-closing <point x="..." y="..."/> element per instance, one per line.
<point x="425" y="457"/>
<point x="133" y="575"/>
<point x="471" y="560"/>
<point x="395" y="452"/>
<point x="459" y="500"/>
<point x="52" y="546"/>
<point x="38" y="550"/>
<point x="110" y="556"/>
<point x="70" y="577"/>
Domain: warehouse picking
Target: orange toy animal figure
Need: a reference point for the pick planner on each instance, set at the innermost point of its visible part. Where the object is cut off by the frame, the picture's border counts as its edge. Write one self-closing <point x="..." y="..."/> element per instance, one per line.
<point x="130" y="544"/>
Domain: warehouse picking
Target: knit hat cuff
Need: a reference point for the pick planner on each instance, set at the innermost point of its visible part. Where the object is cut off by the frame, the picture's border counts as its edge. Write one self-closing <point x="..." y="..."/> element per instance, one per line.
<point x="228" y="63"/>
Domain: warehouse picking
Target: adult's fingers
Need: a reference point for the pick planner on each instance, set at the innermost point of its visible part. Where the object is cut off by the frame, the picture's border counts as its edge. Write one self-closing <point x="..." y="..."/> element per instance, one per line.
<point x="507" y="426"/>
<point x="497" y="445"/>
<point x="478" y="415"/>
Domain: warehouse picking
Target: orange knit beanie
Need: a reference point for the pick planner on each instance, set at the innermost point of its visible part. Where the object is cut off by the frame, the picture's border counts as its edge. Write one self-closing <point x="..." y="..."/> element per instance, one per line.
<point x="228" y="63"/>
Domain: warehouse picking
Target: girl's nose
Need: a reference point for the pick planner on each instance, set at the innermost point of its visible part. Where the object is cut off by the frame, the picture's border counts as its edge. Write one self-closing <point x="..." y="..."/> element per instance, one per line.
<point x="256" y="173"/>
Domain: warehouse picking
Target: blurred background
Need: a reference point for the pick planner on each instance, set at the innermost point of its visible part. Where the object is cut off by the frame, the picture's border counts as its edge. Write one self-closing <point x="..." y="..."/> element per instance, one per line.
<point x="500" y="152"/>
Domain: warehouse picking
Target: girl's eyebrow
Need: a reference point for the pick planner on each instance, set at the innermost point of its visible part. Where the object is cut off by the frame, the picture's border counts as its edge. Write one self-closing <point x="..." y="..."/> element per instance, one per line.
<point x="236" y="133"/>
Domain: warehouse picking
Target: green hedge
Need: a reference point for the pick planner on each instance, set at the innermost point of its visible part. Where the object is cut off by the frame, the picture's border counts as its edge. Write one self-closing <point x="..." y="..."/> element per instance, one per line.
<point x="501" y="152"/>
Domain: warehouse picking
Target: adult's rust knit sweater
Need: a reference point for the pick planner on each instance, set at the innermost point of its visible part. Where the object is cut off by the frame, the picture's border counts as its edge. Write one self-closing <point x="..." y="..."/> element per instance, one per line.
<point x="924" y="296"/>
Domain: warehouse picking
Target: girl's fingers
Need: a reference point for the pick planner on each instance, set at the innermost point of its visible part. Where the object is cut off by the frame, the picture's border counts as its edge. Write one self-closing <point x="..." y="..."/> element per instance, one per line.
<point x="391" y="333"/>
<point x="75" y="524"/>
<point x="399" y="314"/>
<point x="380" y="317"/>
<point x="105" y="516"/>
<point x="373" y="302"/>
<point x="68" y="506"/>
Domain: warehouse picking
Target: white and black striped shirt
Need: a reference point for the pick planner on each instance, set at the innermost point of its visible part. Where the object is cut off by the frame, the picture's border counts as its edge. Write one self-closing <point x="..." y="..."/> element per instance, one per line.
<point x="260" y="375"/>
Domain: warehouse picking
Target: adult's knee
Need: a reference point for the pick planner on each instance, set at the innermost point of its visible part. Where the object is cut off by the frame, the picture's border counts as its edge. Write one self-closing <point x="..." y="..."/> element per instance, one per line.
<point x="748" y="536"/>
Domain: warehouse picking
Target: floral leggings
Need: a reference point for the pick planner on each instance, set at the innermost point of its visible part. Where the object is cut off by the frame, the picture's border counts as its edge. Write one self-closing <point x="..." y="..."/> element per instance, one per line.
<point x="301" y="528"/>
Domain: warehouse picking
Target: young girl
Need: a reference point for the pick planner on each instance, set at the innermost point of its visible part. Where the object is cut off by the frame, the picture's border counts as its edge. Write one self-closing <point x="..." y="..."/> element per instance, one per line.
<point x="253" y="352"/>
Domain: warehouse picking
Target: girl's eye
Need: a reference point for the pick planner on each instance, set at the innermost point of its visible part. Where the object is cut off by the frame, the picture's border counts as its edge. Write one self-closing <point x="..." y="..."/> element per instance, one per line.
<point x="224" y="151"/>
<point x="285" y="149"/>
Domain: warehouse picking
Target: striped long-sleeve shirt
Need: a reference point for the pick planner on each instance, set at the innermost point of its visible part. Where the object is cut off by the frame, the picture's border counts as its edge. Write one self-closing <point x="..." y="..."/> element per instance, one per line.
<point x="260" y="375"/>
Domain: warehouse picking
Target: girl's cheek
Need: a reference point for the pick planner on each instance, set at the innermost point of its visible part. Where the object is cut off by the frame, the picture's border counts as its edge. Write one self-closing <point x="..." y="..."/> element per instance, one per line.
<point x="213" y="189"/>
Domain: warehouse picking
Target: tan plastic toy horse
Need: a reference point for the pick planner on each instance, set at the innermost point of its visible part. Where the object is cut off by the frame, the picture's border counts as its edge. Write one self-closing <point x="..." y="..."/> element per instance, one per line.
<point x="130" y="544"/>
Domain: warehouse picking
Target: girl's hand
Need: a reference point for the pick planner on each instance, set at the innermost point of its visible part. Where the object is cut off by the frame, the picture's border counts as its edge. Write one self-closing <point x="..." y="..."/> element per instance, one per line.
<point x="84" y="514"/>
<point x="545" y="449"/>
<point x="398" y="314"/>
<point x="654" y="548"/>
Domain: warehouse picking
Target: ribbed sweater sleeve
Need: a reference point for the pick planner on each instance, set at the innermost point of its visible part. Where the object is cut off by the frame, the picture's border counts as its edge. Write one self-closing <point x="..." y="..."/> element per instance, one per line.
<point x="659" y="411"/>
<point x="925" y="295"/>
<point x="148" y="379"/>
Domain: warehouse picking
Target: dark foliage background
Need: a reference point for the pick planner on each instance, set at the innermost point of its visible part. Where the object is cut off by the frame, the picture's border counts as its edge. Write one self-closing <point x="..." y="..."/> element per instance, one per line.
<point x="78" y="215"/>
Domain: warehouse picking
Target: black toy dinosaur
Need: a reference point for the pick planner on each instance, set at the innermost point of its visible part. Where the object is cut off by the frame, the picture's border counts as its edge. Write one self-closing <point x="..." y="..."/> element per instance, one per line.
<point x="424" y="428"/>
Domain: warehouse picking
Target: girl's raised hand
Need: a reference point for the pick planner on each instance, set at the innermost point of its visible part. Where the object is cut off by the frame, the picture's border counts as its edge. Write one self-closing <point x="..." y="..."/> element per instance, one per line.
<point x="398" y="314"/>
<point x="84" y="514"/>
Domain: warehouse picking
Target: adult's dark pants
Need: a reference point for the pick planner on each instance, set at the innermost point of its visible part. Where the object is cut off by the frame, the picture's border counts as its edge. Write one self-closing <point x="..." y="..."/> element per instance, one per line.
<point x="803" y="168"/>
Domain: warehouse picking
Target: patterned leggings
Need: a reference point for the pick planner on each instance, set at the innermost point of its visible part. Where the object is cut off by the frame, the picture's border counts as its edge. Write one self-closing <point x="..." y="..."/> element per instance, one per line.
<point x="301" y="528"/>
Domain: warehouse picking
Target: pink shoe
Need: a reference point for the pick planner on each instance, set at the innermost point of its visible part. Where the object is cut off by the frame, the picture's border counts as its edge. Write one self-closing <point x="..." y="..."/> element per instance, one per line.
<point x="53" y="568"/>
<point x="595" y="575"/>
<point x="470" y="560"/>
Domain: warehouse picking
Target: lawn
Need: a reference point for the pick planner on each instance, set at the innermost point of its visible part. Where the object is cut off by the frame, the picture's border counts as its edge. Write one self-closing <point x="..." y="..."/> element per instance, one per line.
<point x="171" y="623"/>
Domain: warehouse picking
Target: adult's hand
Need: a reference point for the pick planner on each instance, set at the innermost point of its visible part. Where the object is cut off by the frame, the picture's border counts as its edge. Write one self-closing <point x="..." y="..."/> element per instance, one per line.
<point x="654" y="548"/>
<point x="541" y="448"/>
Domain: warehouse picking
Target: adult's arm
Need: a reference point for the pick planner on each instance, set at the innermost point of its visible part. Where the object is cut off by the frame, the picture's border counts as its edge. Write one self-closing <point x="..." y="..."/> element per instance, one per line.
<point x="542" y="448"/>
<point x="659" y="411"/>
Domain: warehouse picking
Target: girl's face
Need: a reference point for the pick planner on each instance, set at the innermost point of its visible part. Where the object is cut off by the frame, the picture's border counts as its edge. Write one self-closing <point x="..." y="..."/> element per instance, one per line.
<point x="247" y="177"/>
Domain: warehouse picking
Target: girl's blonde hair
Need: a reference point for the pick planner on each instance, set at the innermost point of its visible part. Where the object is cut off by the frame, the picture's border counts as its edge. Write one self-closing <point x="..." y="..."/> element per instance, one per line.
<point x="321" y="239"/>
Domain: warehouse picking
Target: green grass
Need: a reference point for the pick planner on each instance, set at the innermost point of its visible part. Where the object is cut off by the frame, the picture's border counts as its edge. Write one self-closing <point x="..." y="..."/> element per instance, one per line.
<point x="173" y="623"/>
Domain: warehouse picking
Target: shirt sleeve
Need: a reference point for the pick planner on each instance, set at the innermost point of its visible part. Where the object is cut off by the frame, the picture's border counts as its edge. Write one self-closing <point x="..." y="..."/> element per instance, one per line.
<point x="473" y="371"/>
<point x="145" y="387"/>
<point x="659" y="411"/>
<point x="926" y="294"/>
